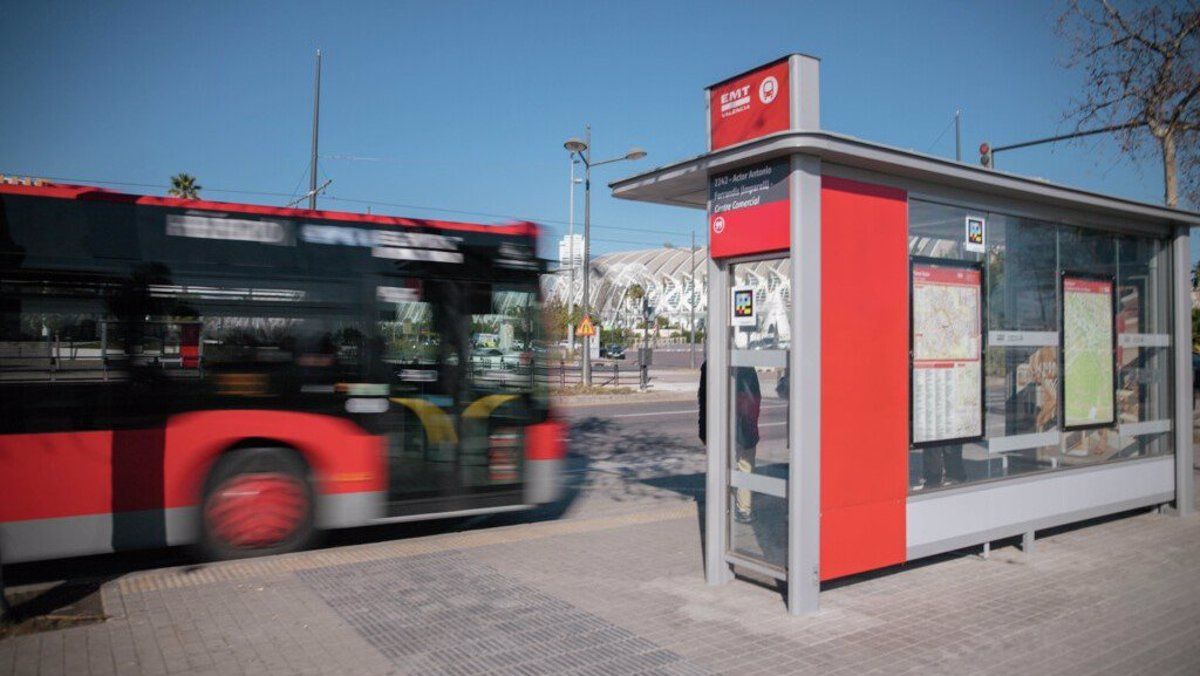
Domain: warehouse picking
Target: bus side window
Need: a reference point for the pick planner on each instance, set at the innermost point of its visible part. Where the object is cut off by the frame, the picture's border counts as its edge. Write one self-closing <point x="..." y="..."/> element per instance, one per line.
<point x="50" y="331"/>
<point x="504" y="327"/>
<point x="409" y="343"/>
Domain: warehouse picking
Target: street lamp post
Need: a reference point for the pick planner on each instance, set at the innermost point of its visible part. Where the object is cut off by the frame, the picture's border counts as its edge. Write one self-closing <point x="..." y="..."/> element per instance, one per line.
<point x="571" y="263"/>
<point x="583" y="150"/>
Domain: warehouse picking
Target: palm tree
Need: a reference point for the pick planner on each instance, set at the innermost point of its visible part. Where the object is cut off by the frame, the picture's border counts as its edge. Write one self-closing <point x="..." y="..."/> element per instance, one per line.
<point x="185" y="186"/>
<point x="635" y="293"/>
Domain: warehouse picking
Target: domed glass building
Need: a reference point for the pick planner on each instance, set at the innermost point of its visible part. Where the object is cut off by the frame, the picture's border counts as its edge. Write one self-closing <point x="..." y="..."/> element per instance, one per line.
<point x="665" y="275"/>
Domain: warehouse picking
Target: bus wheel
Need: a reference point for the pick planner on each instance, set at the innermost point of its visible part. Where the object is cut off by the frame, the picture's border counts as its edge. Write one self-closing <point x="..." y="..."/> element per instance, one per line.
<point x="257" y="501"/>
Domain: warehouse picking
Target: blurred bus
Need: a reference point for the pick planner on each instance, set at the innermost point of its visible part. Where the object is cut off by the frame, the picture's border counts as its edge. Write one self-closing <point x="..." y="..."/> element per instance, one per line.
<point x="241" y="377"/>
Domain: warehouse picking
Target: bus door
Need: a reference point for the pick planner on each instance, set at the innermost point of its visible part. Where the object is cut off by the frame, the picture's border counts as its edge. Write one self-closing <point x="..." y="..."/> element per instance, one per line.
<point x="452" y="358"/>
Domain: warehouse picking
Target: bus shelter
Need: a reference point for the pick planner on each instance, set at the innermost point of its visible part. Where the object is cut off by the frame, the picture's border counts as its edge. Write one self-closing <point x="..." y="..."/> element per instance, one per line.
<point x="909" y="355"/>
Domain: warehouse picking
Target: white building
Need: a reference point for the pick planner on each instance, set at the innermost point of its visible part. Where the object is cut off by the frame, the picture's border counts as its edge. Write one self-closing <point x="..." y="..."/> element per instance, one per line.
<point x="570" y="252"/>
<point x="664" y="274"/>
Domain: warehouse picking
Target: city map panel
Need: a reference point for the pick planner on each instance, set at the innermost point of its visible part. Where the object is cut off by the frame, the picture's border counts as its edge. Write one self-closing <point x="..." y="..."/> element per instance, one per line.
<point x="947" y="370"/>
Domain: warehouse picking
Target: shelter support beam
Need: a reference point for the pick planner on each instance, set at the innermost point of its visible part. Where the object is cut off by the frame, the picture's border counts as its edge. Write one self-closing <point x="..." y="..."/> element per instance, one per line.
<point x="716" y="495"/>
<point x="1185" y="485"/>
<point x="804" y="432"/>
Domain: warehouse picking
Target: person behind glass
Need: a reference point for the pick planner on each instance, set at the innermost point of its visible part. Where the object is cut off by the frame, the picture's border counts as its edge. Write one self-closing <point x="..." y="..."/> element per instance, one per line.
<point x="747" y="406"/>
<point x="943" y="465"/>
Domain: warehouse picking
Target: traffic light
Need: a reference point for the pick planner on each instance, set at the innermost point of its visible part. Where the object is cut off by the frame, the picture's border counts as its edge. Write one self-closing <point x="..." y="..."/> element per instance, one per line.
<point x="985" y="154"/>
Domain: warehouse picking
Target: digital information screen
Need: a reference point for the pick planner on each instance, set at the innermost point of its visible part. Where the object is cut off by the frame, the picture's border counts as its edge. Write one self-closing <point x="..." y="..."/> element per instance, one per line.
<point x="947" y="341"/>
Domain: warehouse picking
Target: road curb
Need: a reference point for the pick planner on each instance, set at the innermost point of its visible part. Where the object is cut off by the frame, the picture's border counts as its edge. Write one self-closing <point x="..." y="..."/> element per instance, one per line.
<point x="580" y="400"/>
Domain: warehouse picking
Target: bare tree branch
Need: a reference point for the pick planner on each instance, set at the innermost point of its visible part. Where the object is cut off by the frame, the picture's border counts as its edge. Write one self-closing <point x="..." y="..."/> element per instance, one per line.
<point x="1128" y="31"/>
<point x="1141" y="62"/>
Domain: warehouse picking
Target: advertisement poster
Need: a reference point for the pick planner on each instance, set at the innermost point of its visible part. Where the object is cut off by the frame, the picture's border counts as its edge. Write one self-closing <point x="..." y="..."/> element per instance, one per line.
<point x="1088" y="341"/>
<point x="947" y="377"/>
<point x="749" y="210"/>
<point x="749" y="106"/>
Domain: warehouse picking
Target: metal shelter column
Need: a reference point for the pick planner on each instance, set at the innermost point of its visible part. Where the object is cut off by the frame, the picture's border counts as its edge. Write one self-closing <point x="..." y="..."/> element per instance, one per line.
<point x="1185" y="486"/>
<point x="804" y="480"/>
<point x="716" y="366"/>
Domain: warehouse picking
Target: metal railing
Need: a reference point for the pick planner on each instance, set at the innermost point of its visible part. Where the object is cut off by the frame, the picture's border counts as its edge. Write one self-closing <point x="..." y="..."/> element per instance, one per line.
<point x="54" y="359"/>
<point x="604" y="374"/>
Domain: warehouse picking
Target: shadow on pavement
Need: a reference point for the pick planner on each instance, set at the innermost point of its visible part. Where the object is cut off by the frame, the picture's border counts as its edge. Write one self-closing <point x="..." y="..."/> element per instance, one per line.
<point x="66" y="604"/>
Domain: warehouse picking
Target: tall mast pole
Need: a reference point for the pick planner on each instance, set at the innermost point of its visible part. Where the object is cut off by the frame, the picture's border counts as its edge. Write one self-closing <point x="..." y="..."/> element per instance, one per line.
<point x="958" y="136"/>
<point x="692" y="301"/>
<point x="312" y="164"/>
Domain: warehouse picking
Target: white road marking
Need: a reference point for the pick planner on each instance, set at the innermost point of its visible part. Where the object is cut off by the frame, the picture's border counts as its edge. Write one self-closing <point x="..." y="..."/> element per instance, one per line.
<point x="647" y="415"/>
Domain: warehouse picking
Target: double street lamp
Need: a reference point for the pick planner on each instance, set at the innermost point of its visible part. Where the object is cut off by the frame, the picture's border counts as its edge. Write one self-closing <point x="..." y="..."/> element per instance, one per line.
<point x="582" y="148"/>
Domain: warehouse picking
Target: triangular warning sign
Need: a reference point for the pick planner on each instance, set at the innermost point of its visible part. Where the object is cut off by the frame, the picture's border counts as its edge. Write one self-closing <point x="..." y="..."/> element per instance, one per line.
<point x="585" y="328"/>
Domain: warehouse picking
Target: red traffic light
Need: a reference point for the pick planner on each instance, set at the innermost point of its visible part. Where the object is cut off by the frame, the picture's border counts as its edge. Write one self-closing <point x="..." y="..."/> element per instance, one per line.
<point x="984" y="149"/>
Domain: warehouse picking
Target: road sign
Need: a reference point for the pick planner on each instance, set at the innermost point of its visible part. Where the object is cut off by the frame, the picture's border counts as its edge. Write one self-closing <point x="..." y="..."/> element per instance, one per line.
<point x="585" y="328"/>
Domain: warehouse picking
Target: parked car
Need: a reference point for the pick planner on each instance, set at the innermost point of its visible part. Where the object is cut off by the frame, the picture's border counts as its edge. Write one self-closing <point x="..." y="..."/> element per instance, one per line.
<point x="613" y="351"/>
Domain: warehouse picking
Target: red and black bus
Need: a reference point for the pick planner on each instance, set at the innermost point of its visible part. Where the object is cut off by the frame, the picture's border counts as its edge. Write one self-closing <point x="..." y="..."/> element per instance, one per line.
<point x="239" y="376"/>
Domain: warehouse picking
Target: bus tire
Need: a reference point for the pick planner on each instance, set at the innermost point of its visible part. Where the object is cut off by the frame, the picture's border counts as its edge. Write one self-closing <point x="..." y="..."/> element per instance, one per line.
<point x="257" y="502"/>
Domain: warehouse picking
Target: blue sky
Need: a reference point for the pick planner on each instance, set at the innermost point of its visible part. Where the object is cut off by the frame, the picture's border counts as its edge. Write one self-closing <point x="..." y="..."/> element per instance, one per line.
<point x="463" y="106"/>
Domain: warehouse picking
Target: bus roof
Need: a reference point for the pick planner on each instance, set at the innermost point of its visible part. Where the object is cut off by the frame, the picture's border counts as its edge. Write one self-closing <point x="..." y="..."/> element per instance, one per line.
<point x="93" y="193"/>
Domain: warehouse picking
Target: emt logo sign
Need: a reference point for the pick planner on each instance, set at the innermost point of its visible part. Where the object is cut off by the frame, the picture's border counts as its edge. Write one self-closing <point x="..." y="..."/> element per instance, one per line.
<point x="749" y="106"/>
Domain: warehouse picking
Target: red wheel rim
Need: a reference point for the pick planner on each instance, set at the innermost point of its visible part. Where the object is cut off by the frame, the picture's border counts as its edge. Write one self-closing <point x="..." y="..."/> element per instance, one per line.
<point x="254" y="511"/>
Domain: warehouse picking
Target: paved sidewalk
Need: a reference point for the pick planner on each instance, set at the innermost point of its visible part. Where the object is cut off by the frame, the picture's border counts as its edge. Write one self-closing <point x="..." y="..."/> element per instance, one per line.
<point x="623" y="592"/>
<point x="681" y="380"/>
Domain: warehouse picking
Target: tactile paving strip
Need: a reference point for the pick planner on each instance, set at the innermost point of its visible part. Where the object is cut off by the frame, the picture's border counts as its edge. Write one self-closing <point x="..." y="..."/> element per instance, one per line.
<point x="443" y="614"/>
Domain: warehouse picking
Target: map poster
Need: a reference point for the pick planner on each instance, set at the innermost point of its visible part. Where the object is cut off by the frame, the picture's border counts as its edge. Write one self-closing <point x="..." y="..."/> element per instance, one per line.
<point x="947" y="377"/>
<point x="1087" y="337"/>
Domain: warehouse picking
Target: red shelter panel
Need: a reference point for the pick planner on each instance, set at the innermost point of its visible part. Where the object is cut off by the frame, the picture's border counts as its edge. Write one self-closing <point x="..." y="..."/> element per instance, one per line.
<point x="864" y="376"/>
<point x="749" y="106"/>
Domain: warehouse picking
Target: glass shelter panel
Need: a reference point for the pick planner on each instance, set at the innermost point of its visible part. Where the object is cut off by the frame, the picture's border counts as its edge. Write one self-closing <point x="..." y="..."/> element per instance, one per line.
<point x="1144" y="398"/>
<point x="1025" y="263"/>
<point x="758" y="388"/>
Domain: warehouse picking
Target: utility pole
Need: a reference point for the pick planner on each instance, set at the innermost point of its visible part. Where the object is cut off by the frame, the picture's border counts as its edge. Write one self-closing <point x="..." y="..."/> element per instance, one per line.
<point x="958" y="136"/>
<point x="312" y="164"/>
<point x="692" y="320"/>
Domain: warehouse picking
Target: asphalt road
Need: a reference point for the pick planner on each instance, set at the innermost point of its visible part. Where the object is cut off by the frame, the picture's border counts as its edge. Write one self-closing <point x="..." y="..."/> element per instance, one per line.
<point x="676" y="356"/>
<point x="627" y="428"/>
